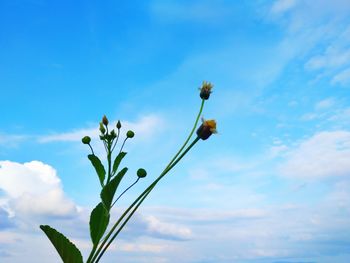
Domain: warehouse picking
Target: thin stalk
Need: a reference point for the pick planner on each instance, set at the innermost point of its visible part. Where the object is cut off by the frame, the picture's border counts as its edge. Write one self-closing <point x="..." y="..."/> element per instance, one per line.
<point x="121" y="148"/>
<point x="137" y="202"/>
<point x="109" y="156"/>
<point x="116" y="141"/>
<point x="92" y="150"/>
<point x="191" y="133"/>
<point x="138" y="178"/>
<point x="92" y="253"/>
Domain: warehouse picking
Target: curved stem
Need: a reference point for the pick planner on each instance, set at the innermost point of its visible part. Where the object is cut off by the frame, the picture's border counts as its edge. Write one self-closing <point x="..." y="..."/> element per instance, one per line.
<point x="102" y="248"/>
<point x="191" y="133"/>
<point x="116" y="141"/>
<point x="92" y="151"/>
<point x="121" y="148"/>
<point x="138" y="178"/>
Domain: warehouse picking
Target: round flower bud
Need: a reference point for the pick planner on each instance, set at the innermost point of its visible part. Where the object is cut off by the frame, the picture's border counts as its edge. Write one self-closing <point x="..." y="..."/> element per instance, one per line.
<point x="119" y="125"/>
<point x="102" y="128"/>
<point x="207" y="128"/>
<point x="105" y="120"/>
<point x="86" y="140"/>
<point x="205" y="90"/>
<point x="130" y="134"/>
<point x="141" y="173"/>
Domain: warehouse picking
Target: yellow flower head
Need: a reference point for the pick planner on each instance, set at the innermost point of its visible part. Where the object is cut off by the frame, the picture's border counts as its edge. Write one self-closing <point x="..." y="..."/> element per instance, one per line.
<point x="207" y="128"/>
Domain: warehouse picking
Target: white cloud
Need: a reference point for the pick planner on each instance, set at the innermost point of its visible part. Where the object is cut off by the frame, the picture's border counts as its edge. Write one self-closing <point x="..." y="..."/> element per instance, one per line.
<point x="334" y="57"/>
<point x="153" y="227"/>
<point x="325" y="104"/>
<point x="342" y="78"/>
<point x="153" y="248"/>
<point x="317" y="31"/>
<point x="282" y="6"/>
<point x="144" y="128"/>
<point x="33" y="188"/>
<point x="11" y="140"/>
<point x="326" y="154"/>
<point x="167" y="229"/>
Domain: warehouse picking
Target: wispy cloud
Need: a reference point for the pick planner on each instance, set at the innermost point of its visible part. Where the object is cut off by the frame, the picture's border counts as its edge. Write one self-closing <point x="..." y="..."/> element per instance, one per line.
<point x="11" y="140"/>
<point x="145" y="127"/>
<point x="325" y="154"/>
<point x="342" y="77"/>
<point x="281" y="6"/>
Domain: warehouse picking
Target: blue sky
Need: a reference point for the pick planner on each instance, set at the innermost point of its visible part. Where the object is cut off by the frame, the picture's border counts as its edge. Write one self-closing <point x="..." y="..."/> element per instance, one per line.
<point x="272" y="186"/>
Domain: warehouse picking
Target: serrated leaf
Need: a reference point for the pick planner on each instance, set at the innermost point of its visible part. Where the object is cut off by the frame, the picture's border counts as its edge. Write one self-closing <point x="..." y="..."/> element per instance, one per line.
<point x="100" y="170"/>
<point x="117" y="161"/>
<point x="109" y="190"/>
<point x="68" y="252"/>
<point x="99" y="220"/>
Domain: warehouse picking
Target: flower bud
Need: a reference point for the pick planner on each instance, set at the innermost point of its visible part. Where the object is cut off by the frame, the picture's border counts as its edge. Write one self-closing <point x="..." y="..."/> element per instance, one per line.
<point x="205" y="90"/>
<point x="141" y="173"/>
<point x="207" y="128"/>
<point x="86" y="140"/>
<point x="102" y="128"/>
<point x="113" y="134"/>
<point x="119" y="125"/>
<point x="105" y="120"/>
<point x="130" y="134"/>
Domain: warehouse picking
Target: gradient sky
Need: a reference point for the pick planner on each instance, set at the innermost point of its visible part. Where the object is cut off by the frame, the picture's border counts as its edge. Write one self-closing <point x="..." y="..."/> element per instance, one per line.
<point x="272" y="186"/>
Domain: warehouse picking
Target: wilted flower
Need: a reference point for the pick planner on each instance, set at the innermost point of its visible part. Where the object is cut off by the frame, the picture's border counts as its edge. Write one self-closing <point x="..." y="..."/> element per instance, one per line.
<point x="207" y="128"/>
<point x="205" y="90"/>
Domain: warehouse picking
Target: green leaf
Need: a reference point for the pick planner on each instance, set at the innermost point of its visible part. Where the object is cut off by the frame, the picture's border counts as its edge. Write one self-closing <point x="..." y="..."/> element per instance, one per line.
<point x="109" y="190"/>
<point x="65" y="248"/>
<point x="99" y="220"/>
<point x="117" y="161"/>
<point x="100" y="170"/>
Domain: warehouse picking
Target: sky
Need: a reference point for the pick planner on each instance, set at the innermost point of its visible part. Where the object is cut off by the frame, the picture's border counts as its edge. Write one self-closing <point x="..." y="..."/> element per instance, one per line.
<point x="272" y="186"/>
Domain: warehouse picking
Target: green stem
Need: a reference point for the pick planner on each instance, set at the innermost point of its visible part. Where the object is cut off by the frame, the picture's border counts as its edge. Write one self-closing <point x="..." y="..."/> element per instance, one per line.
<point x="191" y="133"/>
<point x="116" y="141"/>
<point x="109" y="156"/>
<point x="121" y="148"/>
<point x="92" y="253"/>
<point x="138" y="178"/>
<point x="137" y="202"/>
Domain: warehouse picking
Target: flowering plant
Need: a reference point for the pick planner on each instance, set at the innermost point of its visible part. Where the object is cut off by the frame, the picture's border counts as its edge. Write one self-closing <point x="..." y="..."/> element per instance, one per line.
<point x="110" y="179"/>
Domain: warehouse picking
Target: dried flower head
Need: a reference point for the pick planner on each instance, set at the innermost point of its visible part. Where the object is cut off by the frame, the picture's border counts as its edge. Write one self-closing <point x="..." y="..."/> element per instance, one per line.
<point x="207" y="128"/>
<point x="205" y="90"/>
